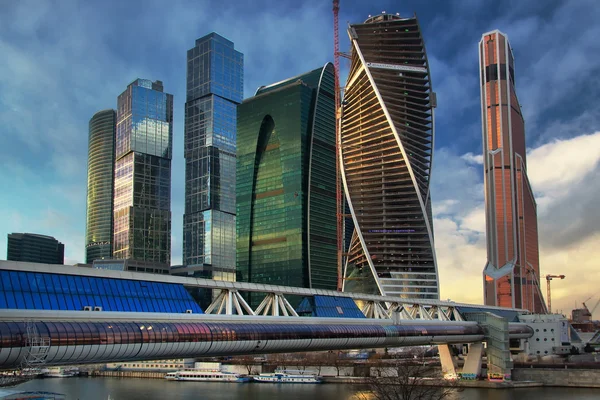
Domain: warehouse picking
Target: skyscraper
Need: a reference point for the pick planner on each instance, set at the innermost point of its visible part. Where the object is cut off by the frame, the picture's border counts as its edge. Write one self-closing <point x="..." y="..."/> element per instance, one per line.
<point x="512" y="272"/>
<point x="31" y="247"/>
<point x="286" y="211"/>
<point x="387" y="132"/>
<point x="214" y="89"/>
<point x="142" y="189"/>
<point x="99" y="213"/>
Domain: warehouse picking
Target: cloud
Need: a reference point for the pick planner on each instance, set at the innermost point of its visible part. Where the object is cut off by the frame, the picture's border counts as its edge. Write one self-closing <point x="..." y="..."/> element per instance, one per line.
<point x="563" y="175"/>
<point x="473" y="158"/>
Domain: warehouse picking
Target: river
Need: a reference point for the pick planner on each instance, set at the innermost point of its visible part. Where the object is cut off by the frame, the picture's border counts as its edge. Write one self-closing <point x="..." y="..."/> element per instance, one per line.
<point x="151" y="389"/>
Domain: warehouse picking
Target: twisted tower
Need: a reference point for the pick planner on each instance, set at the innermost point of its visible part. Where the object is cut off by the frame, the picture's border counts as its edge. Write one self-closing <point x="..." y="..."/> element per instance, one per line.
<point x="387" y="133"/>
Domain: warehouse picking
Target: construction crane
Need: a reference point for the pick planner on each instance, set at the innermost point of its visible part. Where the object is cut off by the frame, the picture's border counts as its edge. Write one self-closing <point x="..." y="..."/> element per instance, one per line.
<point x="338" y="116"/>
<point x="594" y="308"/>
<point x="590" y="311"/>
<point x="549" y="277"/>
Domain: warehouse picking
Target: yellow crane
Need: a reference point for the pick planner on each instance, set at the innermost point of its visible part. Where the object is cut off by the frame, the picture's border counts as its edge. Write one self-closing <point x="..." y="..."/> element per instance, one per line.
<point x="549" y="277"/>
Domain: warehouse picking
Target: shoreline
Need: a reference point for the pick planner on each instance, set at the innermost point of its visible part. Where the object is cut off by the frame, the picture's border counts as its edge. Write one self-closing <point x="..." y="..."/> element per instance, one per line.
<point x="466" y="384"/>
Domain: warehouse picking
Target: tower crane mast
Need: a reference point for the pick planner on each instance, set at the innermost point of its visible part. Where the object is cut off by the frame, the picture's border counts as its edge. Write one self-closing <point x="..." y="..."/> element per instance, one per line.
<point x="549" y="277"/>
<point x="338" y="116"/>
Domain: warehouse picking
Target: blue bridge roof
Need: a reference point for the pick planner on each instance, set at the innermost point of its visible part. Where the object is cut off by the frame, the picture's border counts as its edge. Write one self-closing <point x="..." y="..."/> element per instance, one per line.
<point x="328" y="306"/>
<point x="46" y="291"/>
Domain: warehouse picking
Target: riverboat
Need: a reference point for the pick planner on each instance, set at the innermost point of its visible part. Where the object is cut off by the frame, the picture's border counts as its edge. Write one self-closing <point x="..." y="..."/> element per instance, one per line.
<point x="58" y="372"/>
<point x="287" y="377"/>
<point x="206" y="376"/>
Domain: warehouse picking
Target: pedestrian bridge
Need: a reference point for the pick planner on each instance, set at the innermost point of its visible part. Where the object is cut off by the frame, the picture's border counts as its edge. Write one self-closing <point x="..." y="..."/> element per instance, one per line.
<point x="71" y="337"/>
<point x="47" y="317"/>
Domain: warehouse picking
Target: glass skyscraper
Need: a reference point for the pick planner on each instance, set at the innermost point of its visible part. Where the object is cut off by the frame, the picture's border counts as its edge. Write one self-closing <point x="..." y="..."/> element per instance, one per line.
<point x="142" y="189"/>
<point x="31" y="247"/>
<point x="214" y="90"/>
<point x="387" y="134"/>
<point x="512" y="271"/>
<point x="286" y="199"/>
<point x="99" y="215"/>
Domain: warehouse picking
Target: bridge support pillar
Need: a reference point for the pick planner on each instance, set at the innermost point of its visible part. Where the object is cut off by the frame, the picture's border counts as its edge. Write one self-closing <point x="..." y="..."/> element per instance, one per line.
<point x="448" y="361"/>
<point x="499" y="361"/>
<point x="472" y="367"/>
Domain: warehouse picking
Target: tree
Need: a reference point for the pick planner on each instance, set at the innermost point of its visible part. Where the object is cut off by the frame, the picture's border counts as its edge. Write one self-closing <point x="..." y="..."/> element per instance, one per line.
<point x="248" y="362"/>
<point x="409" y="380"/>
<point x="334" y="360"/>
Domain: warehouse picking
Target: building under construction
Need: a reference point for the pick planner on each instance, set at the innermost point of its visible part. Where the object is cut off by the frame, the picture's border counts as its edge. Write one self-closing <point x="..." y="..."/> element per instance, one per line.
<point x="386" y="140"/>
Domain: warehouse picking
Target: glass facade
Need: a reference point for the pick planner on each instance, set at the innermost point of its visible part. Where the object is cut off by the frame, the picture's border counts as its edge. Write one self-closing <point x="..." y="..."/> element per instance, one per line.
<point x="44" y="291"/>
<point x="286" y="211"/>
<point x="512" y="271"/>
<point x="31" y="247"/>
<point x="99" y="215"/>
<point x="387" y="134"/>
<point x="142" y="183"/>
<point x="214" y="89"/>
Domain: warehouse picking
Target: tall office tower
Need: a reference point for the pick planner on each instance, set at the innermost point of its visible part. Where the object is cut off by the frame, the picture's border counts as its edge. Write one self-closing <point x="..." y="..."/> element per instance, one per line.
<point x="143" y="148"/>
<point x="512" y="272"/>
<point x="286" y="211"/>
<point x="101" y="161"/>
<point x="31" y="247"/>
<point x="214" y="89"/>
<point x="387" y="147"/>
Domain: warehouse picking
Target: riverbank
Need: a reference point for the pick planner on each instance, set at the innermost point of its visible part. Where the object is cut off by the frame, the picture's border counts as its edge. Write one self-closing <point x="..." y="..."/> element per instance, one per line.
<point x="159" y="389"/>
<point x="523" y="378"/>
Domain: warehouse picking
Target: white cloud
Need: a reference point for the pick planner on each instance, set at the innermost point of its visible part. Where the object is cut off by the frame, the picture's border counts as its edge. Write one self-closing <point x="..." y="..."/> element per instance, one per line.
<point x="559" y="164"/>
<point x="473" y="158"/>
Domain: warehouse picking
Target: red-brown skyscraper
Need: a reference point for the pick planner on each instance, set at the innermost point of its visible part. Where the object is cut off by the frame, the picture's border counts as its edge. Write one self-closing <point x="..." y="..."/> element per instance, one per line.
<point x="512" y="271"/>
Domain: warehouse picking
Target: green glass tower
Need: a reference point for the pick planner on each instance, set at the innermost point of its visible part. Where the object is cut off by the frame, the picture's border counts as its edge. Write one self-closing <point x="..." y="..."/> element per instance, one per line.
<point x="99" y="215"/>
<point x="285" y="198"/>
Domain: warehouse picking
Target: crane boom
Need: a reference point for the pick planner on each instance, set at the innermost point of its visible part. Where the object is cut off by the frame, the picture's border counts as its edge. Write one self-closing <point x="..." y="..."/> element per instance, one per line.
<point x="338" y="188"/>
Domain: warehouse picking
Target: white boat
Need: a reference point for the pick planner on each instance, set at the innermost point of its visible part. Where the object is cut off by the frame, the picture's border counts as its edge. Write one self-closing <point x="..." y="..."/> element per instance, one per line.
<point x="206" y="376"/>
<point x="288" y="377"/>
<point x="58" y="372"/>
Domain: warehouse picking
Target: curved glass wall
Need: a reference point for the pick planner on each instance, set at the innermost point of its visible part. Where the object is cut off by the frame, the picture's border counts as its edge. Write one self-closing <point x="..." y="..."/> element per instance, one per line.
<point x="286" y="221"/>
<point x="387" y="132"/>
<point x="99" y="216"/>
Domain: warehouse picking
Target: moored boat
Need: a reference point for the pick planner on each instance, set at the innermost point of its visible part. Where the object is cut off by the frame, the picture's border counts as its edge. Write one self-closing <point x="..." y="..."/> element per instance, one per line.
<point x="59" y="372"/>
<point x="206" y="376"/>
<point x="283" y="376"/>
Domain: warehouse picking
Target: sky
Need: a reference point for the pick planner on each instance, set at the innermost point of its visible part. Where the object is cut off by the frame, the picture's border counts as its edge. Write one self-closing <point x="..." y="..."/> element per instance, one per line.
<point x="64" y="60"/>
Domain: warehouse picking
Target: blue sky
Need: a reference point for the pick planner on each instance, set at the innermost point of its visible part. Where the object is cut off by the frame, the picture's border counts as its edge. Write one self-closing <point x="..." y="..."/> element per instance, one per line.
<point x="64" y="60"/>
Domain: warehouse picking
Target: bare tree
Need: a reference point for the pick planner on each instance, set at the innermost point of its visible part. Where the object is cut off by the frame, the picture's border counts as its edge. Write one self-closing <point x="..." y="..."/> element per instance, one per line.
<point x="334" y="360"/>
<point x="248" y="362"/>
<point x="409" y="380"/>
<point x="316" y="360"/>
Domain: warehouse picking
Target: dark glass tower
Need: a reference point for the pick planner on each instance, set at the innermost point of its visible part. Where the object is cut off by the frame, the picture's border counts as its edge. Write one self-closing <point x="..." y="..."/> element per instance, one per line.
<point x="31" y="247"/>
<point x="512" y="271"/>
<point x="142" y="190"/>
<point x="387" y="132"/>
<point x="99" y="215"/>
<point x="286" y="210"/>
<point x="214" y="89"/>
